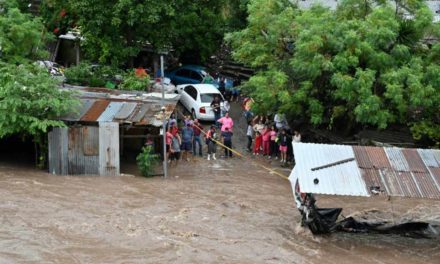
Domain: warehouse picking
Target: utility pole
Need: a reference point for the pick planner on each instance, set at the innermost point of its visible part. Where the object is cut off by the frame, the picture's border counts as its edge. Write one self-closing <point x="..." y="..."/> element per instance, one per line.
<point x="164" y="132"/>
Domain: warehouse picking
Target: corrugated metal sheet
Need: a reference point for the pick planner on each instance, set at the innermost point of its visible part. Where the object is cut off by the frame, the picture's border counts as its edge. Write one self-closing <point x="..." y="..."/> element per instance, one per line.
<point x="391" y="171"/>
<point x="342" y="179"/>
<point x="428" y="157"/>
<point x="84" y="106"/>
<point x="427" y="185"/>
<point x="362" y="157"/>
<point x="110" y="112"/>
<point x="391" y="182"/>
<point x="378" y="157"/>
<point x="95" y="111"/>
<point x="90" y="140"/>
<point x="57" y="140"/>
<point x="78" y="162"/>
<point x="436" y="174"/>
<point x="137" y="117"/>
<point x="109" y="149"/>
<point x="436" y="154"/>
<point x="125" y="111"/>
<point x="414" y="161"/>
<point x="397" y="159"/>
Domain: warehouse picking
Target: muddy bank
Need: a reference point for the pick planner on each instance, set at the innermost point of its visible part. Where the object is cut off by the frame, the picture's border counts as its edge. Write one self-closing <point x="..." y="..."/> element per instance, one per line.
<point x="223" y="212"/>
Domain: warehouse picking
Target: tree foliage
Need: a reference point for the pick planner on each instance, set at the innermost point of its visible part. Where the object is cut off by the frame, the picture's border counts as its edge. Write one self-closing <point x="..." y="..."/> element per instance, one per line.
<point x="365" y="63"/>
<point x="29" y="98"/>
<point x="116" y="30"/>
<point x="21" y="36"/>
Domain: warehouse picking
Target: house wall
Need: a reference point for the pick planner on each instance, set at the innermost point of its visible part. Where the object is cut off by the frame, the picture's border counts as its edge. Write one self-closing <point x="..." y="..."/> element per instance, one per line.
<point x="85" y="150"/>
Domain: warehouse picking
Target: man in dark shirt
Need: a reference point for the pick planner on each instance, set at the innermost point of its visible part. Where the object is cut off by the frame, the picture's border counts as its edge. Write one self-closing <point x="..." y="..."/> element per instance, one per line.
<point x="222" y="86"/>
<point x="187" y="140"/>
<point x="215" y="105"/>
<point x="227" y="141"/>
<point x="197" y="140"/>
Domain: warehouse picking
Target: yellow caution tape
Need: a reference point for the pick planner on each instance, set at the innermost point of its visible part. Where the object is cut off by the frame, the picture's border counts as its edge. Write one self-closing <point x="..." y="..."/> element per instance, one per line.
<point x="238" y="153"/>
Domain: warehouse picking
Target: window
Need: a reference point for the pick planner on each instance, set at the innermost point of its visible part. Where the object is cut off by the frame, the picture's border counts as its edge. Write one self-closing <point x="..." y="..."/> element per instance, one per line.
<point x="196" y="76"/>
<point x="184" y="73"/>
<point x="209" y="97"/>
<point x="191" y="91"/>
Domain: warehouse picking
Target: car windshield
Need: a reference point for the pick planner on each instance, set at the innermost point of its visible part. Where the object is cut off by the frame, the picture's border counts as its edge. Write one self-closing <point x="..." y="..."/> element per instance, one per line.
<point x="208" y="97"/>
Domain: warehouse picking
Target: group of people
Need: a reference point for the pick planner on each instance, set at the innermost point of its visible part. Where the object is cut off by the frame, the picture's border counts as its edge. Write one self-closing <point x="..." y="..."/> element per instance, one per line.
<point x="186" y="141"/>
<point x="271" y="139"/>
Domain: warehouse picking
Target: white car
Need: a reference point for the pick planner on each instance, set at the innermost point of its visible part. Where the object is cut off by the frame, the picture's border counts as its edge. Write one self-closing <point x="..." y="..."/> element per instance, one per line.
<point x="197" y="99"/>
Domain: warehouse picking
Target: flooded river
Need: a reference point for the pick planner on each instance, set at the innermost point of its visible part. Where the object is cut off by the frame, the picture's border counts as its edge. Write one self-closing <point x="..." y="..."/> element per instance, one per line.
<point x="217" y="212"/>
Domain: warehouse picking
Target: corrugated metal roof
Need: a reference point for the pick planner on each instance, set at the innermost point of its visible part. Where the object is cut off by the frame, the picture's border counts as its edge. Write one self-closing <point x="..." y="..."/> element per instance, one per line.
<point x="95" y="111"/>
<point x="397" y="159"/>
<point x="428" y="157"/>
<point x="110" y="112"/>
<point x="377" y="171"/>
<point x="137" y="117"/>
<point x="106" y="105"/>
<point x="125" y="111"/>
<point x="81" y="110"/>
<point x="343" y="179"/>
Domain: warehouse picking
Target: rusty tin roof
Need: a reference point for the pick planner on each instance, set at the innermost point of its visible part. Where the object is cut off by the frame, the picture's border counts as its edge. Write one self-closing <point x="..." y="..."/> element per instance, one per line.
<point x="136" y="108"/>
<point x="384" y="171"/>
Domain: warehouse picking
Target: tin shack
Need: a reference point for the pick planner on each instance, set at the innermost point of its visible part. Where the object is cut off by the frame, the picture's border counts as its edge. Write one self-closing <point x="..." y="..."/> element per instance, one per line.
<point x="109" y="125"/>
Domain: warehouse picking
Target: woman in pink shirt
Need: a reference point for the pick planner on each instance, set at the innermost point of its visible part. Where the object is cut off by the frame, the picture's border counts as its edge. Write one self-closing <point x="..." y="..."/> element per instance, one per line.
<point x="266" y="140"/>
<point x="226" y="122"/>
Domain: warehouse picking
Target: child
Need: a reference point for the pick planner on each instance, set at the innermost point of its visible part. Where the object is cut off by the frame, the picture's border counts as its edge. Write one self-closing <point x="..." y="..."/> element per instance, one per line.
<point x="266" y="141"/>
<point x="273" y="143"/>
<point x="258" y="140"/>
<point x="283" y="141"/>
<point x="249" y="134"/>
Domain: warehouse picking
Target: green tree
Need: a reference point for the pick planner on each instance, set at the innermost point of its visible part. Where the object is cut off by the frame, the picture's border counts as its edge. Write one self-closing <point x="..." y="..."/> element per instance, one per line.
<point x="349" y="67"/>
<point x="30" y="99"/>
<point x="21" y="36"/>
<point x="115" y="31"/>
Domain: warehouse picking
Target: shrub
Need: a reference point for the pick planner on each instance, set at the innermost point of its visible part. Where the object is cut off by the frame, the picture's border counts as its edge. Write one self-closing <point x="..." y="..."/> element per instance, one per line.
<point x="79" y="74"/>
<point x="146" y="160"/>
<point x="132" y="82"/>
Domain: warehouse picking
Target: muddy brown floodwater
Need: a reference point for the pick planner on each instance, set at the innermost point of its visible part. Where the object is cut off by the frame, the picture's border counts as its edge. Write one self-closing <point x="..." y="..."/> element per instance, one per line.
<point x="205" y="212"/>
<point x="223" y="212"/>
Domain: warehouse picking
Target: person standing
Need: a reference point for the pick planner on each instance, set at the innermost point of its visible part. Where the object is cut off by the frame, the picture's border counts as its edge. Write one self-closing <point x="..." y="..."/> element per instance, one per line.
<point x="215" y="105"/>
<point x="226" y="122"/>
<point x="273" y="143"/>
<point x="168" y="142"/>
<point x="187" y="139"/>
<point x="266" y="141"/>
<point x="211" y="137"/>
<point x="249" y="134"/>
<point x="227" y="141"/>
<point x="280" y="121"/>
<point x="296" y="137"/>
<point x="197" y="140"/>
<point x="226" y="106"/>
<point x="257" y="146"/>
<point x="175" y="149"/>
<point x="283" y="141"/>
<point x="222" y="85"/>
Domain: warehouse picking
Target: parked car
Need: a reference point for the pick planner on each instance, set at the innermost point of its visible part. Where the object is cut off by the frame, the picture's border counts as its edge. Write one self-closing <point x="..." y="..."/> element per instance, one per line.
<point x="191" y="74"/>
<point x="197" y="99"/>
